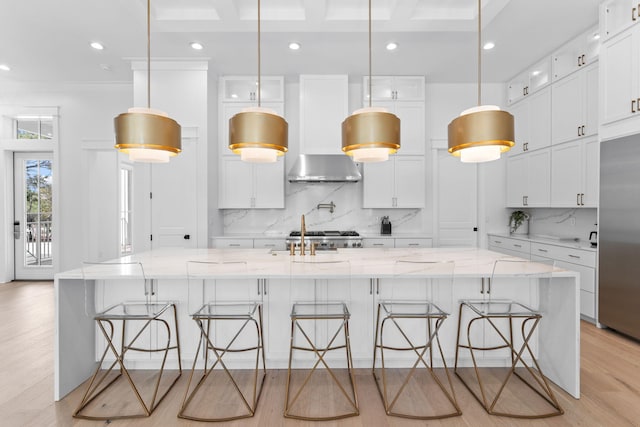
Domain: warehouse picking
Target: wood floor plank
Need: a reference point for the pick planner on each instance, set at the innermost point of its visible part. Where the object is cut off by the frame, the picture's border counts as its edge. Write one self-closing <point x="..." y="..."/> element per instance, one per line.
<point x="610" y="376"/>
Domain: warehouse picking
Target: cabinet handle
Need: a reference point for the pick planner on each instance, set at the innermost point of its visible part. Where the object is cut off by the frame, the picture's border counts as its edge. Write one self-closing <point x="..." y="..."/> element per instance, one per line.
<point x="633" y="14"/>
<point x="579" y="64"/>
<point x="370" y="286"/>
<point x="234" y="244"/>
<point x="582" y="130"/>
<point x="574" y="256"/>
<point x="414" y="244"/>
<point x="581" y="199"/>
<point x="378" y="244"/>
<point x="579" y="131"/>
<point x="377" y="286"/>
<point x="482" y="288"/>
<point x="578" y="199"/>
<point x="259" y="286"/>
<point x="499" y="242"/>
<point x="264" y="286"/>
<point x="583" y="62"/>
<point x="517" y="246"/>
<point x="543" y="250"/>
<point x="633" y="105"/>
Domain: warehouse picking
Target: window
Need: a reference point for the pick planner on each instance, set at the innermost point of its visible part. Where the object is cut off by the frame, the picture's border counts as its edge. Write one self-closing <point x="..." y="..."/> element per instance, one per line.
<point x="126" y="232"/>
<point x="34" y="127"/>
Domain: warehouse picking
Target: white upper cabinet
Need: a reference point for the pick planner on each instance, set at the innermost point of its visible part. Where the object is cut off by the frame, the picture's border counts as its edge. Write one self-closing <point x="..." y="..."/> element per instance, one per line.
<point x="620" y="84"/>
<point x="575" y="106"/>
<point x="577" y="54"/>
<point x="324" y="104"/>
<point x="529" y="81"/>
<point x="574" y="174"/>
<point x="403" y="96"/>
<point x="397" y="183"/>
<point x="532" y="121"/>
<point x="401" y="88"/>
<point x="618" y="15"/>
<point x="244" y="185"/>
<point x="245" y="88"/>
<point x="528" y="179"/>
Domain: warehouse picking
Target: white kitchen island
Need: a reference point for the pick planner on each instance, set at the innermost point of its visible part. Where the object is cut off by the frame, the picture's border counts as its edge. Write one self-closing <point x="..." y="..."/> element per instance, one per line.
<point x="270" y="278"/>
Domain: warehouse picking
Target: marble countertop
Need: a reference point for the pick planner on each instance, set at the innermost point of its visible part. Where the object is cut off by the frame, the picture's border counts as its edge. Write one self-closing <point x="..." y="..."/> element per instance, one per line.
<point x="170" y="263"/>
<point x="550" y="240"/>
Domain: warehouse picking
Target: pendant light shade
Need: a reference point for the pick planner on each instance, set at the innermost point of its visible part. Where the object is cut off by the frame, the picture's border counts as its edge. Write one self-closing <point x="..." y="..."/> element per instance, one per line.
<point x="257" y="134"/>
<point x="482" y="133"/>
<point x="147" y="135"/>
<point x="371" y="134"/>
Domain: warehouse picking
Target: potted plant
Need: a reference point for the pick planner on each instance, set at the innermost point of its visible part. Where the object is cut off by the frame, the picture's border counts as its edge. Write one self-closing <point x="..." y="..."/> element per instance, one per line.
<point x="516" y="222"/>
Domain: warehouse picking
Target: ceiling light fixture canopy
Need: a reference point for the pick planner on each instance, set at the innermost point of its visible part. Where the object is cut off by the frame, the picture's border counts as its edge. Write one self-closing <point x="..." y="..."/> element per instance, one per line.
<point x="257" y="134"/>
<point x="482" y="133"/>
<point x="148" y="135"/>
<point x="371" y="134"/>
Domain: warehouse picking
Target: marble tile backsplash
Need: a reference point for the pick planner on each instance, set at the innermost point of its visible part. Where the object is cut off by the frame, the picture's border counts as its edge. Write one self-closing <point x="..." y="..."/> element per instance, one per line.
<point x="563" y="222"/>
<point x="304" y="198"/>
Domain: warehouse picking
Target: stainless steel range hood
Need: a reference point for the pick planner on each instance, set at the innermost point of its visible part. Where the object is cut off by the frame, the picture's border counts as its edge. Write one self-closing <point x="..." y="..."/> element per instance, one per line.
<point x="324" y="168"/>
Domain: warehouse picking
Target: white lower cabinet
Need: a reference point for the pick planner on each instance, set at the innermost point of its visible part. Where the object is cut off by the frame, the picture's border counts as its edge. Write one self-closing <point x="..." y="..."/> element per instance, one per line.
<point x="233" y="243"/>
<point x="398" y="242"/>
<point x="409" y="242"/>
<point x="378" y="242"/>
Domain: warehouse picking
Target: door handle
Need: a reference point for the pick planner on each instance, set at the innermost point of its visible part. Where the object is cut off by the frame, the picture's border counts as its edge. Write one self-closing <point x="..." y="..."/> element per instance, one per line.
<point x="16" y="230"/>
<point x="187" y="237"/>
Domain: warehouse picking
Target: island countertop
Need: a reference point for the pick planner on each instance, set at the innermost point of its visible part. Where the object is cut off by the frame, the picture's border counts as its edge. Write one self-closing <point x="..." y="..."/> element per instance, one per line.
<point x="75" y="338"/>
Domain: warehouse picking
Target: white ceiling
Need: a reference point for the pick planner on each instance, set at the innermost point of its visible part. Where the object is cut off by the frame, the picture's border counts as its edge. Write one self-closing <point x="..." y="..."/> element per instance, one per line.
<point x="48" y="40"/>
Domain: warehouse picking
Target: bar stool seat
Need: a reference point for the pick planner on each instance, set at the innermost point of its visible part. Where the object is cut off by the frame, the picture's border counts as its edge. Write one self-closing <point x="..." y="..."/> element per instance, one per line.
<point x="312" y="311"/>
<point x="499" y="316"/>
<point x="143" y="314"/>
<point x="401" y="316"/>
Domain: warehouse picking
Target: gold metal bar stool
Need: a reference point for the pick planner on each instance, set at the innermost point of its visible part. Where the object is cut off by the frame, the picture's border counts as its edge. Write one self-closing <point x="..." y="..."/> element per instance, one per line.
<point x="238" y="319"/>
<point x="321" y="311"/>
<point x="402" y="316"/>
<point x="142" y="314"/>
<point x="498" y="316"/>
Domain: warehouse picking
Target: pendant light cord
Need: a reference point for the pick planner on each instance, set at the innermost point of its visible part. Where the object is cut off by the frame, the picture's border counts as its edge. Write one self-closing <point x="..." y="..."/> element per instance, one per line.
<point x="370" y="83"/>
<point x="259" y="79"/>
<point x="479" y="53"/>
<point x="148" y="54"/>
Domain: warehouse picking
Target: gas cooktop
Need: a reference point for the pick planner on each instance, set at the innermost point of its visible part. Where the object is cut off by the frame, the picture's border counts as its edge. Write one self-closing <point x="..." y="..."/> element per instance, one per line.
<point x="328" y="233"/>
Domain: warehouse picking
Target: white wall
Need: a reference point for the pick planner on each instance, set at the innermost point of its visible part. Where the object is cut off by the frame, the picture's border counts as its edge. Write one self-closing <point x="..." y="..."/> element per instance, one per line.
<point x="86" y="114"/>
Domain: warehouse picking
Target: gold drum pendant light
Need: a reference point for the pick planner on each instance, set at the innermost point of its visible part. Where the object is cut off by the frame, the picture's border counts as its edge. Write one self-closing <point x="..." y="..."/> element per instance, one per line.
<point x="370" y="134"/>
<point x="257" y="134"/>
<point x="148" y="135"/>
<point x="482" y="133"/>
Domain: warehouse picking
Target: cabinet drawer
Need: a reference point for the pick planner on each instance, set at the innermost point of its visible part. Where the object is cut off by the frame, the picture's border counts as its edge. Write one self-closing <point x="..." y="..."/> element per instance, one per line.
<point x="378" y="243"/>
<point x="510" y="244"/>
<point x="234" y="243"/>
<point x="414" y="243"/>
<point x="278" y="244"/>
<point x="574" y="256"/>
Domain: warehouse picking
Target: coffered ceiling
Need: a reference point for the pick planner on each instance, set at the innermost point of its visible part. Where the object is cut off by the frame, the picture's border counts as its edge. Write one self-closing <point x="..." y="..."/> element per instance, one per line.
<point x="44" y="40"/>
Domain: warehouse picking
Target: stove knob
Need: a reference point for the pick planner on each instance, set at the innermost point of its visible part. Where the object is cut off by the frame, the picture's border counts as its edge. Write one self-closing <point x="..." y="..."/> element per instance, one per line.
<point x="359" y="244"/>
<point x="346" y="244"/>
<point x="353" y="245"/>
<point x="332" y="244"/>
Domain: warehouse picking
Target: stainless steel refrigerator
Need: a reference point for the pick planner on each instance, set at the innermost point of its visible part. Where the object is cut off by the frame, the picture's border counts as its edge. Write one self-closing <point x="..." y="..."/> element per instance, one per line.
<point x="619" y="235"/>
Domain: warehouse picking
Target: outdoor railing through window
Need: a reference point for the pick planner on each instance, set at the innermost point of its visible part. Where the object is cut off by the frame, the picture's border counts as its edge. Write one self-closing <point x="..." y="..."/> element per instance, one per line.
<point x="37" y="242"/>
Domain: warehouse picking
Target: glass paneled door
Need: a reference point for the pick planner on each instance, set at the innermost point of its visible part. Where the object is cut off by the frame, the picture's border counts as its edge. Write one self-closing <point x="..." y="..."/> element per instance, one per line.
<point x="33" y="215"/>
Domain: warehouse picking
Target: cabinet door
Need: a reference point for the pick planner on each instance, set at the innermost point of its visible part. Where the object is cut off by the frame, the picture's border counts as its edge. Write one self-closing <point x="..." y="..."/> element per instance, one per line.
<point x="587" y="286"/>
<point x="590" y="173"/>
<point x="539" y="75"/>
<point x="409" y="88"/>
<point x="413" y="243"/>
<point x="616" y="15"/>
<point x="566" y="174"/>
<point x="520" y="113"/>
<point x="516" y="89"/>
<point x="567" y="105"/>
<point x="568" y="59"/>
<point x="409" y="182"/>
<point x="538" y="179"/>
<point x="412" y="132"/>
<point x="381" y="88"/>
<point x="516" y="180"/>
<point x="269" y="185"/>
<point x="235" y="185"/>
<point x="244" y="88"/>
<point x="591" y="75"/>
<point x="378" y="243"/>
<point x="618" y="67"/>
<point x="539" y="119"/>
<point x="324" y="104"/>
<point x="378" y="185"/>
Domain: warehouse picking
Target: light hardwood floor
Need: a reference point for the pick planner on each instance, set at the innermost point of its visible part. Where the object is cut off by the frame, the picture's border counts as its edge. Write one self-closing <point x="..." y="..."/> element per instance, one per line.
<point x="610" y="378"/>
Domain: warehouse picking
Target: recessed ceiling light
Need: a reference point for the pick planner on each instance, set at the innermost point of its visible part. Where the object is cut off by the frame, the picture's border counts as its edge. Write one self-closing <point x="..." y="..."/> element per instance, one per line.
<point x="596" y="36"/>
<point x="4" y="67"/>
<point x="294" y="46"/>
<point x="97" y="45"/>
<point x="196" y="46"/>
<point x="392" y="46"/>
<point x="489" y="45"/>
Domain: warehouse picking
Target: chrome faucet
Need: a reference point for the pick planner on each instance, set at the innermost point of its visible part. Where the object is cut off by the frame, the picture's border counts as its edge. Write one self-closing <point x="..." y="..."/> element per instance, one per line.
<point x="302" y="231"/>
